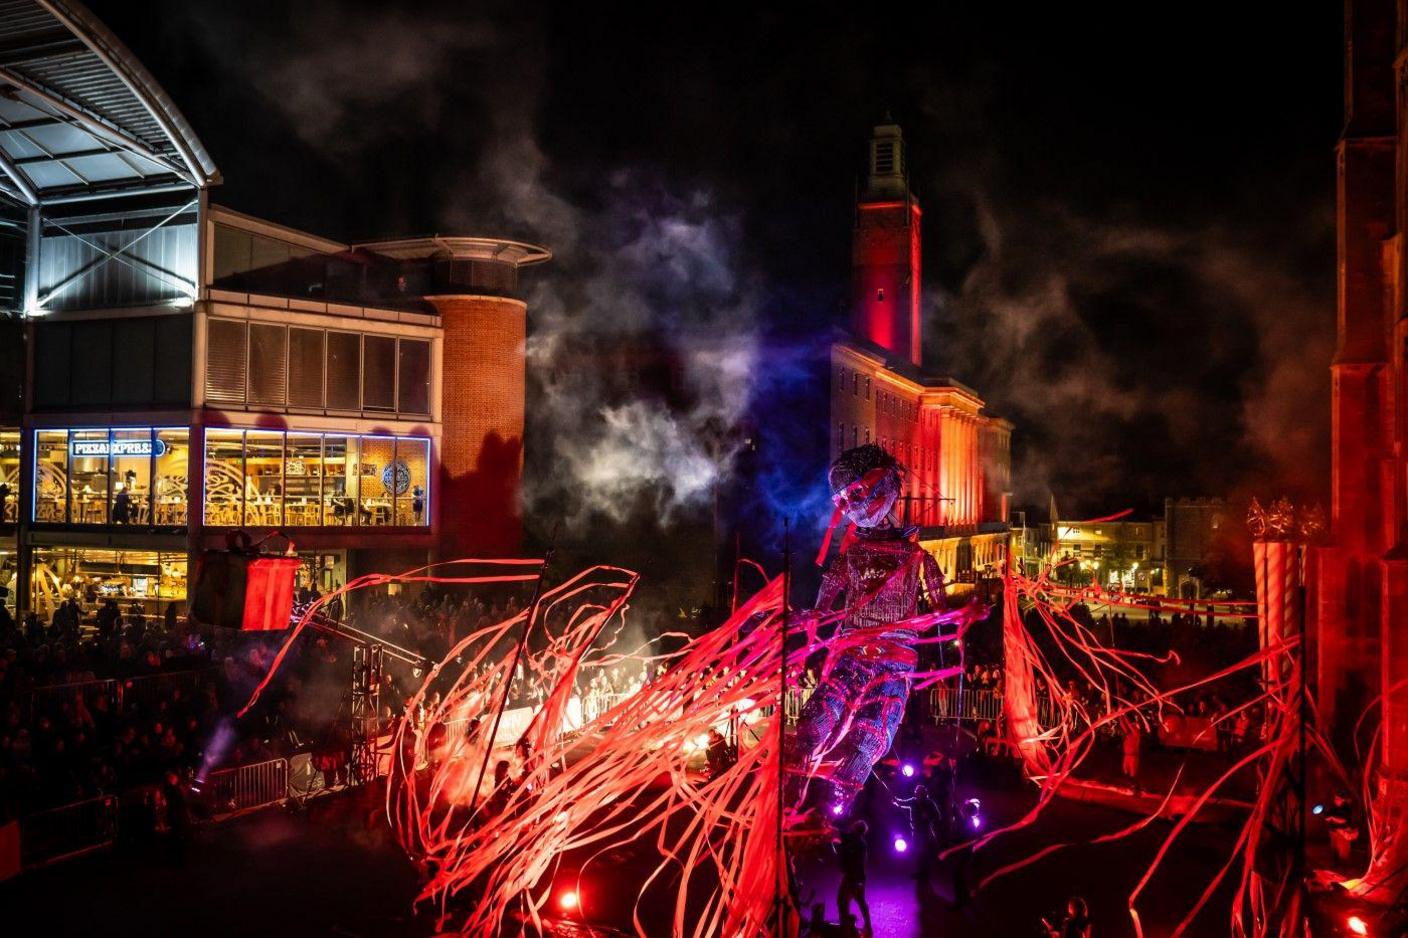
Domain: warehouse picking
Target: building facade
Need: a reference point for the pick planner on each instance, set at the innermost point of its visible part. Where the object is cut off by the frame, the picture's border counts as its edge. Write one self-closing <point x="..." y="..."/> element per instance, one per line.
<point x="958" y="456"/>
<point x="188" y="372"/>
<point x="1357" y="584"/>
<point x="1126" y="554"/>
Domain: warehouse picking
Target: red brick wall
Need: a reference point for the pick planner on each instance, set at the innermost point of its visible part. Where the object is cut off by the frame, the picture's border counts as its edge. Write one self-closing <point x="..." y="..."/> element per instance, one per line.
<point x="481" y="450"/>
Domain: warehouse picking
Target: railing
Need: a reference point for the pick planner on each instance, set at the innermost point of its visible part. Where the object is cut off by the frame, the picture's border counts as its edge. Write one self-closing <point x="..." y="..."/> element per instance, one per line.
<point x="60" y="833"/>
<point x="149" y="689"/>
<point x="247" y="786"/>
<point x="947" y="703"/>
<point x="976" y="705"/>
<point x="52" y="695"/>
<point x="121" y="693"/>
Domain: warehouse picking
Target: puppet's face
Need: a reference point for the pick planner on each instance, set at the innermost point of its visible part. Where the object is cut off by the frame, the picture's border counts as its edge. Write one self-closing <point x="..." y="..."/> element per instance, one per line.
<point x="867" y="501"/>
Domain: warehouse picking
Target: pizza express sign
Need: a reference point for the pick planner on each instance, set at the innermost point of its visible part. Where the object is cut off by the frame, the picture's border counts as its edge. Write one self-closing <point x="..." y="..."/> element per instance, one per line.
<point x="116" y="448"/>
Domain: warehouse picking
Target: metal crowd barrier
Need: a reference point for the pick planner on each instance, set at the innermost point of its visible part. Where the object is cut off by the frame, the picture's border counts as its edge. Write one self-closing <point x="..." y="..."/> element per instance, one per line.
<point x="247" y="786"/>
<point x="149" y="689"/>
<point x="59" y="833"/>
<point x="145" y="691"/>
<point x="946" y="703"/>
<point x="43" y="699"/>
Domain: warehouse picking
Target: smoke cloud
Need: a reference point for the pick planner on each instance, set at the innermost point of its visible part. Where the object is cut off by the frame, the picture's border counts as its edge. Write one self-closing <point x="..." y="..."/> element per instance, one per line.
<point x="1128" y="354"/>
<point x="643" y="343"/>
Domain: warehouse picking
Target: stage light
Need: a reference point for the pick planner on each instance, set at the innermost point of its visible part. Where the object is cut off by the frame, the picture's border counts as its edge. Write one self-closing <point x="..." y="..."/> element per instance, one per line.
<point x="901" y="845"/>
<point x="1357" y="926"/>
<point x="1318" y="810"/>
<point x="838" y="809"/>
<point x="977" y="822"/>
<point x="907" y="770"/>
<point x="569" y="900"/>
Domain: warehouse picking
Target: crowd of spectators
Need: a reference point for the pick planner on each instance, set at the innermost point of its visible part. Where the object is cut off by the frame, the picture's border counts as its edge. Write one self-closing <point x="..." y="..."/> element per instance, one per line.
<point x="97" y="699"/>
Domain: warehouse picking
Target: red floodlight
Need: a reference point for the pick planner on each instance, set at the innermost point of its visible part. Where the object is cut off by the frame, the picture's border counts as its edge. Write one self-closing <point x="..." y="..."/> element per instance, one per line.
<point x="241" y="588"/>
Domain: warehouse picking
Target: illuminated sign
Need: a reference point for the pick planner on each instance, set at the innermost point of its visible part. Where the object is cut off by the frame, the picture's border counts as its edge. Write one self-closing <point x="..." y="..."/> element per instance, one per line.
<point x="116" y="448"/>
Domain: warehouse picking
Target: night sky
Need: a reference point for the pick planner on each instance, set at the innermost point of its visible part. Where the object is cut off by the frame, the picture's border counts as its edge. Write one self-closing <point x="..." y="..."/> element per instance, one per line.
<point x="1129" y="232"/>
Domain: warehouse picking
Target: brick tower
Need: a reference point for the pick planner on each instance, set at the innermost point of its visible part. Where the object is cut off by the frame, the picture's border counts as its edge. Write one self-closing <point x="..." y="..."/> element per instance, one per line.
<point x="473" y="285"/>
<point x="885" y="259"/>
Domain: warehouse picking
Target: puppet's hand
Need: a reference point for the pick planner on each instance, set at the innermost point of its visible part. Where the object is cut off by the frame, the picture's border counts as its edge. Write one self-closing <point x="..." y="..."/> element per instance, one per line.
<point x="963" y="616"/>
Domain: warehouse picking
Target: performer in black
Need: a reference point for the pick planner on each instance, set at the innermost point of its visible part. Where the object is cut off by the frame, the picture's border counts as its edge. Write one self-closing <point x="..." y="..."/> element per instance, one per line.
<point x="924" y="822"/>
<point x="851" y="853"/>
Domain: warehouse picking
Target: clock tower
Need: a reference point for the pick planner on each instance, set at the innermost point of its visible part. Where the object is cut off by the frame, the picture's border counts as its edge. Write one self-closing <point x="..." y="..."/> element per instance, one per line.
<point x="885" y="260"/>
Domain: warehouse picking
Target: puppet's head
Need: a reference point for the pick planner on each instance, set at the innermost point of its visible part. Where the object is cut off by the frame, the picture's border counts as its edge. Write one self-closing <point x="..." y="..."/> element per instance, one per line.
<point x="865" y="481"/>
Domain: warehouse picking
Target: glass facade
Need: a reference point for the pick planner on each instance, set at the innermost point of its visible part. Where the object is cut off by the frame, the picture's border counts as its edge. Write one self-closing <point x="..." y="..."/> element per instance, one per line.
<point x="121" y="476"/>
<point x="298" y="479"/>
<point x="143" y="582"/>
<point x="9" y="476"/>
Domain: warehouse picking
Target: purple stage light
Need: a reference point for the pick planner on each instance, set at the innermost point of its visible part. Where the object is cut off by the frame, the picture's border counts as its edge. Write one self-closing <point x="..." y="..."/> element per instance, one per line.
<point x="837" y="809"/>
<point x="907" y="770"/>
<point x="901" y="845"/>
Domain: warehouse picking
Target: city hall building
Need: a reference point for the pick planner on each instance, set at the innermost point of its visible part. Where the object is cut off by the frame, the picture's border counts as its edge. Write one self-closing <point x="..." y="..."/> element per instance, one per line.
<point x="958" y="455"/>
<point x="175" y="371"/>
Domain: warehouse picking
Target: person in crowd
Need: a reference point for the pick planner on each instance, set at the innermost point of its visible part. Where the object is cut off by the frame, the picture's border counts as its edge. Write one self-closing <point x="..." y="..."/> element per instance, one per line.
<point x="1074" y="924"/>
<point x="178" y="817"/>
<point x="720" y="755"/>
<point x="1130" y="741"/>
<point x="33" y="629"/>
<point x="851" y="856"/>
<point x="503" y="789"/>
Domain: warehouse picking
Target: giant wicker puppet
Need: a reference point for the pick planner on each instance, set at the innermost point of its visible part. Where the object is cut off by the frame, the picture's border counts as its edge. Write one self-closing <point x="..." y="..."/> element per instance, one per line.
<point x="887" y="582"/>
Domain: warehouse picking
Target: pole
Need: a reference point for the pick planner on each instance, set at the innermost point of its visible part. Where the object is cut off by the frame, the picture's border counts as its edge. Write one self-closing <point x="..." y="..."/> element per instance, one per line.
<point x="1302" y="711"/>
<point x="508" y="678"/>
<point x="783" y="884"/>
<point x="737" y="557"/>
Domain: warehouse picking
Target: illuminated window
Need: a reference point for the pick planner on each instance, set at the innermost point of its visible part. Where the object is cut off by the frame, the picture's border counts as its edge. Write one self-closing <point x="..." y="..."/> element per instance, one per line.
<point x="173" y="469"/>
<point x="264" y="478"/>
<point x="88" y="476"/>
<point x="412" y="482"/>
<point x="339" y="480"/>
<point x="303" y="480"/>
<point x="143" y="583"/>
<point x="224" y="477"/>
<point x="10" y="474"/>
<point x="51" y="476"/>
<point x="867" y="388"/>
<point x="130" y="476"/>
<point x="379" y="477"/>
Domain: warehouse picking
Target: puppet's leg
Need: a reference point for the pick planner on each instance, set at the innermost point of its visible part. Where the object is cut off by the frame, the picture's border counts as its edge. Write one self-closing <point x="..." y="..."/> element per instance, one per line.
<point x="825" y="715"/>
<point x="871" y="734"/>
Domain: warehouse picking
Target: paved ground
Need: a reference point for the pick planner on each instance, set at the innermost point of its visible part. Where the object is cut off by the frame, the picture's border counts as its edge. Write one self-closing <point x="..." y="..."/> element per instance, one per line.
<point x="1013" y="906"/>
<point x="326" y="872"/>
